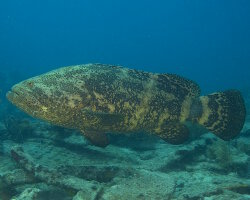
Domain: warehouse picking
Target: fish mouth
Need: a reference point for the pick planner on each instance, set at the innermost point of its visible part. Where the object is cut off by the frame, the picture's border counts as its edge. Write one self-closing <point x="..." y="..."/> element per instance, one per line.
<point x="13" y="94"/>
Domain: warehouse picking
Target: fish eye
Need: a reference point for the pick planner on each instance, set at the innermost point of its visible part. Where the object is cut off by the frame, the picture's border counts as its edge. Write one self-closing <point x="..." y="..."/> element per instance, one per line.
<point x="30" y="84"/>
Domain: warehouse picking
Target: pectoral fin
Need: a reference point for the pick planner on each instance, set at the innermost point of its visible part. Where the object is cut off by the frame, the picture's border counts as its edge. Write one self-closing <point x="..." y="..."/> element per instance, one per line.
<point x="96" y="124"/>
<point x="96" y="138"/>
<point x="101" y="120"/>
<point x="173" y="133"/>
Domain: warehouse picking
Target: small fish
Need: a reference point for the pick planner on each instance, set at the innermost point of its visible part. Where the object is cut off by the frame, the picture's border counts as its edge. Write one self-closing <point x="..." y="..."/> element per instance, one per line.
<point x="98" y="99"/>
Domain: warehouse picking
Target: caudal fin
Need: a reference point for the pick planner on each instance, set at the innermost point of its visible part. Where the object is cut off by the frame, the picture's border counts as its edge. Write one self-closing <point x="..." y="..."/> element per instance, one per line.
<point x="223" y="113"/>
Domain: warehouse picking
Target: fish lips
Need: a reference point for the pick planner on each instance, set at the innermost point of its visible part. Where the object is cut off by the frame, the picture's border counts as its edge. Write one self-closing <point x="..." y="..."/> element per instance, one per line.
<point x="13" y="95"/>
<point x="10" y="95"/>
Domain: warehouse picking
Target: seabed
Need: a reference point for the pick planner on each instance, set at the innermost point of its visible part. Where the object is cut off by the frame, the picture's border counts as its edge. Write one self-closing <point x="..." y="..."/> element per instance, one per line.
<point x="42" y="162"/>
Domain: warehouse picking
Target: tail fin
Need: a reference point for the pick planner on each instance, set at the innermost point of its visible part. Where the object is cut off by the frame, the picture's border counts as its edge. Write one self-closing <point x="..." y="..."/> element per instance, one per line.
<point x="222" y="113"/>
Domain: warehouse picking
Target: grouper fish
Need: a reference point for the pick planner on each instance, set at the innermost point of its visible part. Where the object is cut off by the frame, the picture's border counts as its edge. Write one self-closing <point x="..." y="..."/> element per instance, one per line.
<point x="98" y="99"/>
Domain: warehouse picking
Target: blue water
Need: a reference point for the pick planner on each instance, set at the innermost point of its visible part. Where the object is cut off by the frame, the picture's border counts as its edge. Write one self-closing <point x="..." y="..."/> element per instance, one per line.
<point x="207" y="41"/>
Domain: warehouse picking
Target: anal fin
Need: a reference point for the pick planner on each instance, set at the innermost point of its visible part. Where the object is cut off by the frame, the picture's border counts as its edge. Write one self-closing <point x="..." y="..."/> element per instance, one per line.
<point x="173" y="133"/>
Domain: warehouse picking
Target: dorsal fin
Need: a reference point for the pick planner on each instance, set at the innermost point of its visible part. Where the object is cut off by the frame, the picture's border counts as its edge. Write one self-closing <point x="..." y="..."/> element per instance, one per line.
<point x="176" y="84"/>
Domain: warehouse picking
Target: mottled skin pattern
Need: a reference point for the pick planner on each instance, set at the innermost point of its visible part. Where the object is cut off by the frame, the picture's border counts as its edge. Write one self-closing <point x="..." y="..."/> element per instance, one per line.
<point x="97" y="98"/>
